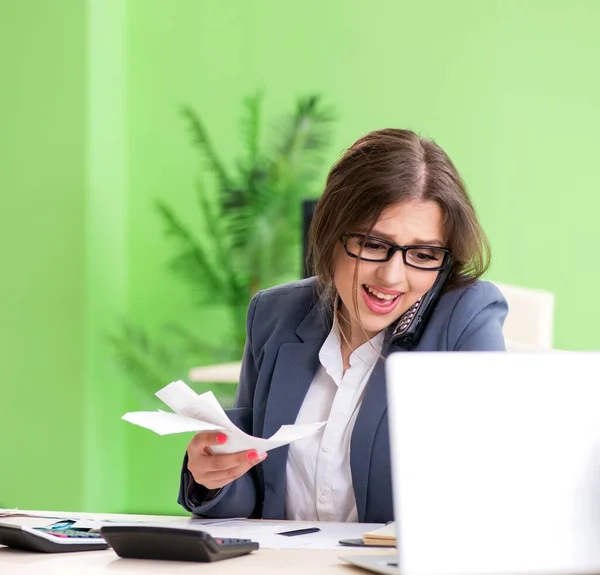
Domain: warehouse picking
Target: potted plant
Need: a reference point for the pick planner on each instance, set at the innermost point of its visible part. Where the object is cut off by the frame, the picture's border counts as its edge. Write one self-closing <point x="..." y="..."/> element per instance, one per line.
<point x="250" y="237"/>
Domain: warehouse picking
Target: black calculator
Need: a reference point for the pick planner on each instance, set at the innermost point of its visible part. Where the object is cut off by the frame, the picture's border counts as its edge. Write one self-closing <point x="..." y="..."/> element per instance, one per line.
<point x="52" y="539"/>
<point x="172" y="543"/>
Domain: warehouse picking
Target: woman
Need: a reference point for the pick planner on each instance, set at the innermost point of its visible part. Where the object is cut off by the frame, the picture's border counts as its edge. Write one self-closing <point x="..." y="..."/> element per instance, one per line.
<point x="315" y="348"/>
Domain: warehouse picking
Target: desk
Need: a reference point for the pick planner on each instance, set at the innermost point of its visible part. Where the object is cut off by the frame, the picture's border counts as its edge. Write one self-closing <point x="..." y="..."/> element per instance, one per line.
<point x="284" y="561"/>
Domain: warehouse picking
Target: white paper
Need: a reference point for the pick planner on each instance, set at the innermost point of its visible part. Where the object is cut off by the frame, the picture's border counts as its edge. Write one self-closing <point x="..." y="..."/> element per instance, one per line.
<point x="9" y="513"/>
<point x="165" y="423"/>
<point x="96" y="524"/>
<point x="266" y="533"/>
<point x="193" y="412"/>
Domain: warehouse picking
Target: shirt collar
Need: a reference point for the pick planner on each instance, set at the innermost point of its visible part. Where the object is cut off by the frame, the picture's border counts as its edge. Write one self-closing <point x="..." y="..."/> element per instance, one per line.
<point x="330" y="354"/>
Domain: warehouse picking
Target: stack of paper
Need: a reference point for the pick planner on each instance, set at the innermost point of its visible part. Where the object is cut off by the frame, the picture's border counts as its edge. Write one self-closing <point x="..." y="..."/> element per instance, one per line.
<point x="193" y="412"/>
<point x="384" y="536"/>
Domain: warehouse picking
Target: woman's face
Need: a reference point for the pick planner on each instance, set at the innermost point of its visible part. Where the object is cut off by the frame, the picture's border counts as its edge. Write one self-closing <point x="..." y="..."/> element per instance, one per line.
<point x="410" y="223"/>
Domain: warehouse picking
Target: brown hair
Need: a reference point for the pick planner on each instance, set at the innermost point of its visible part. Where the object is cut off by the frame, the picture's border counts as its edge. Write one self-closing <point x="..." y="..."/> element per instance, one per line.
<point x="388" y="167"/>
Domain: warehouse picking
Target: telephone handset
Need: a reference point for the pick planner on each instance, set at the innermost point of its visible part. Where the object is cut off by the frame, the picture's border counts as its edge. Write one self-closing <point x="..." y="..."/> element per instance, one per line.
<point x="412" y="322"/>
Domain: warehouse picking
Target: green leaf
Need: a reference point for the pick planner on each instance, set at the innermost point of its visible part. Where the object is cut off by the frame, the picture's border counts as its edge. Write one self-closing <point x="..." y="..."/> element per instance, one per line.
<point x="151" y="365"/>
<point x="194" y="261"/>
<point x="202" y="141"/>
<point x="222" y="245"/>
<point x="304" y="136"/>
<point x="250" y="129"/>
<point x="198" y="348"/>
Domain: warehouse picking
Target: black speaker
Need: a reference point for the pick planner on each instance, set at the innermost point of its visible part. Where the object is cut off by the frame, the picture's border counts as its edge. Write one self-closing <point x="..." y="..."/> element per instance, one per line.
<point x="308" y="210"/>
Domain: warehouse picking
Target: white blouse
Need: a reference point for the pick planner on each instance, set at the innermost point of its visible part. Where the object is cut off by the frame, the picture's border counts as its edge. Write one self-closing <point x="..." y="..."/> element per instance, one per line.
<point x="319" y="479"/>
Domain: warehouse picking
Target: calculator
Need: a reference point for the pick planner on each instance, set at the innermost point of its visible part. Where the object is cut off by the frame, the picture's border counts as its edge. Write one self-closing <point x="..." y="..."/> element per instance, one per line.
<point x="52" y="539"/>
<point x="172" y="543"/>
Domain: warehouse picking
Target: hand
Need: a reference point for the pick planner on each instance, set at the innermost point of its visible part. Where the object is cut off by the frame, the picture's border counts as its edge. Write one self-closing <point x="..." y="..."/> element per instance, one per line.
<point x="215" y="471"/>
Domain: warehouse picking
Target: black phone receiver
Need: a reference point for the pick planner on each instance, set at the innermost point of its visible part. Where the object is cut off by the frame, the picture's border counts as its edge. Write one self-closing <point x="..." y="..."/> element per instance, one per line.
<point x="413" y="321"/>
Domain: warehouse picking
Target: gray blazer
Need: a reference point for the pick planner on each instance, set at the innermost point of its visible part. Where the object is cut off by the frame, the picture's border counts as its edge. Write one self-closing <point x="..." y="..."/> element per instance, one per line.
<point x="286" y="327"/>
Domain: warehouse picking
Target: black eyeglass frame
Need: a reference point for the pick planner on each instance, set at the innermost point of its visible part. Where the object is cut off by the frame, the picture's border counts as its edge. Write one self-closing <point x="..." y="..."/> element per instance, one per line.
<point x="393" y="248"/>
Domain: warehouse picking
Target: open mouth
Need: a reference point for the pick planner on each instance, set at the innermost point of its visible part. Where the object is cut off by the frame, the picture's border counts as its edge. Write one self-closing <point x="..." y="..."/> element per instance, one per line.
<point x="379" y="302"/>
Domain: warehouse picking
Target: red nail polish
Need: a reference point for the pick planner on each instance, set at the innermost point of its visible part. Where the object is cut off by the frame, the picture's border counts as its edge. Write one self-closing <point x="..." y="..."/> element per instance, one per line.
<point x="252" y="455"/>
<point x="221" y="438"/>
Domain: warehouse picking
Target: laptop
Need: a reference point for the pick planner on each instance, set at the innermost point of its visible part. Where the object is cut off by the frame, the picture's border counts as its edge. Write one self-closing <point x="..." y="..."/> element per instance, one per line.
<point x="496" y="463"/>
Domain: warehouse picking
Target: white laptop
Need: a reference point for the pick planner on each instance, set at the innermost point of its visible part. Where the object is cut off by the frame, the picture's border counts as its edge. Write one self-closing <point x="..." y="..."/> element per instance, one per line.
<point x="496" y="463"/>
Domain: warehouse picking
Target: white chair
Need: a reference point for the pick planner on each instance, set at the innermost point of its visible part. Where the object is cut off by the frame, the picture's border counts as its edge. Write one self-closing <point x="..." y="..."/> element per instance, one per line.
<point x="530" y="321"/>
<point x="221" y="372"/>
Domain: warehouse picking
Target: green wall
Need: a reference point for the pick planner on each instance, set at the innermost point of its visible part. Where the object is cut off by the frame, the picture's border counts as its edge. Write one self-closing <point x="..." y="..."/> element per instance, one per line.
<point x="94" y="135"/>
<point x="42" y="247"/>
<point x="105" y="453"/>
<point x="505" y="86"/>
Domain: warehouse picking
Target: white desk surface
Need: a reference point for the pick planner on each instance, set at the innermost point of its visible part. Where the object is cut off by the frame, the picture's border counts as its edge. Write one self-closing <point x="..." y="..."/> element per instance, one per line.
<point x="284" y="561"/>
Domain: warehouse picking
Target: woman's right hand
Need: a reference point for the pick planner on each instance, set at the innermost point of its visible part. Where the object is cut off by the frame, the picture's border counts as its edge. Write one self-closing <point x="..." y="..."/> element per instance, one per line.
<point x="214" y="471"/>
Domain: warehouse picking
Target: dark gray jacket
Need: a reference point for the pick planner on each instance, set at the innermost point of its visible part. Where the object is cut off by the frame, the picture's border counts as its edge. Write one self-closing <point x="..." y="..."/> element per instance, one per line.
<point x="286" y="327"/>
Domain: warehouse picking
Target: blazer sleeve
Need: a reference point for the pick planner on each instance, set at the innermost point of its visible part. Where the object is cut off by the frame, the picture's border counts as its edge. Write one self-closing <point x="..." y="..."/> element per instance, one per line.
<point x="238" y="498"/>
<point x="477" y="319"/>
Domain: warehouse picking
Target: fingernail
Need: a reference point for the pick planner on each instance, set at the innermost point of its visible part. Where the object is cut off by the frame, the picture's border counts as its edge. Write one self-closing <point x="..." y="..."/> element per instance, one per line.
<point x="252" y="455"/>
<point x="221" y="438"/>
<point x="262" y="456"/>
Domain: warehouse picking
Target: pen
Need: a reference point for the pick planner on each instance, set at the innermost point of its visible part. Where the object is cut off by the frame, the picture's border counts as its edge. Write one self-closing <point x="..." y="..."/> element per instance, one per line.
<point x="295" y="532"/>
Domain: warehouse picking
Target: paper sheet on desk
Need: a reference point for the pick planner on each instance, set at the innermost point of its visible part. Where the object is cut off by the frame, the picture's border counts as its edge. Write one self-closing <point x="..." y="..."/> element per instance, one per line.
<point x="30" y="514"/>
<point x="266" y="533"/>
<point x="193" y="412"/>
<point x="89" y="523"/>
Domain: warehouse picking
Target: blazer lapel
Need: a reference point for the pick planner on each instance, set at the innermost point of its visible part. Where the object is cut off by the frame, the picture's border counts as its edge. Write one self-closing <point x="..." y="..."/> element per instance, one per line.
<point x="372" y="410"/>
<point x="294" y="370"/>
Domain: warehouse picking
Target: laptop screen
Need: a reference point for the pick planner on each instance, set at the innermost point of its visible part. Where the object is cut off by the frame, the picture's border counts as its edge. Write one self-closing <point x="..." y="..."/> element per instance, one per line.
<point x="496" y="461"/>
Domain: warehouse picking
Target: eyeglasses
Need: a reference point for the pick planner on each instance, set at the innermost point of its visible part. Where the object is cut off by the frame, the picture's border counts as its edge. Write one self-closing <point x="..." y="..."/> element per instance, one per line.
<point x="371" y="249"/>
